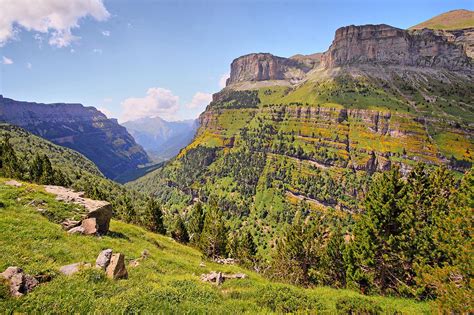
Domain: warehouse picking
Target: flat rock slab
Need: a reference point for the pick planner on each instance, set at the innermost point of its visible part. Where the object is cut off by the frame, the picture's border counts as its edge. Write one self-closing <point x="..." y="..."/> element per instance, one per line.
<point x="98" y="209"/>
<point x="71" y="269"/>
<point x="13" y="183"/>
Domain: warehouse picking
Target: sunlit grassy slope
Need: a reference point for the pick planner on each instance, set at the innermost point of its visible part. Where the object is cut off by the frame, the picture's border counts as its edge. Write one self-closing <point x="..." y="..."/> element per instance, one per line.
<point x="166" y="282"/>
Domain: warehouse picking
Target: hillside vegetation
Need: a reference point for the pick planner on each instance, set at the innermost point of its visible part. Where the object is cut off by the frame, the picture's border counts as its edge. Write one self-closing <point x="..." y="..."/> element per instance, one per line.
<point x="452" y="20"/>
<point x="166" y="282"/>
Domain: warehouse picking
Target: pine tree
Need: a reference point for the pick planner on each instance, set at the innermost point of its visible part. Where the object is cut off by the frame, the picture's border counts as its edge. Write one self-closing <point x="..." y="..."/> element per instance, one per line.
<point x="196" y="223"/>
<point x="214" y="235"/>
<point x="10" y="165"/>
<point x="376" y="235"/>
<point x="156" y="216"/>
<point x="247" y="250"/>
<point x="47" y="177"/>
<point x="179" y="232"/>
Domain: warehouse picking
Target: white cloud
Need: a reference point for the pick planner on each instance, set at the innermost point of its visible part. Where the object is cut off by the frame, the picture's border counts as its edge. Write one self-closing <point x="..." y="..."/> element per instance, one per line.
<point x="54" y="17"/>
<point x="106" y="33"/>
<point x="223" y="79"/>
<point x="7" y="61"/>
<point x="72" y="50"/>
<point x="97" y="51"/>
<point x="200" y="99"/>
<point x="106" y="112"/>
<point x="29" y="65"/>
<point x="158" y="102"/>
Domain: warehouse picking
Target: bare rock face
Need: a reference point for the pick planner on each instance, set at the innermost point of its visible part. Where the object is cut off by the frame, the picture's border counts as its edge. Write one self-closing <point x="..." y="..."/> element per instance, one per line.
<point x="97" y="219"/>
<point x="387" y="45"/>
<point x="19" y="282"/>
<point x="116" y="269"/>
<point x="264" y="66"/>
<point x="464" y="37"/>
<point x="103" y="260"/>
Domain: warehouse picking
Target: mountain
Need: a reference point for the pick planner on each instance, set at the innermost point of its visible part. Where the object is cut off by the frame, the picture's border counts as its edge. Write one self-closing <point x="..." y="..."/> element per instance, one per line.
<point x="311" y="131"/>
<point x="84" y="129"/>
<point x="160" y="138"/>
<point x="452" y="20"/>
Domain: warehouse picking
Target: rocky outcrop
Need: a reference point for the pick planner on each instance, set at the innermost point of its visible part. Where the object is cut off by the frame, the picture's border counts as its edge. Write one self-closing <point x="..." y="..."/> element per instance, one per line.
<point x="387" y="45"/>
<point x="218" y="277"/>
<point x="103" y="260"/>
<point x="97" y="218"/>
<point x="264" y="66"/>
<point x="84" y="129"/>
<point x="464" y="38"/>
<point x="18" y="282"/>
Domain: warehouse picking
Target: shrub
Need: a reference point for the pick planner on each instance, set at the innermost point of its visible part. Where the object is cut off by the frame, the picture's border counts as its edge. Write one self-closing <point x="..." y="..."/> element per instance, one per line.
<point x="283" y="299"/>
<point x="359" y="306"/>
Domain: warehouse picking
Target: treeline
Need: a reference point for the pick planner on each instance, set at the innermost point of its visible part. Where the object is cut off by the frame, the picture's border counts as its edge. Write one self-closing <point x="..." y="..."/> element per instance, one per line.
<point x="413" y="239"/>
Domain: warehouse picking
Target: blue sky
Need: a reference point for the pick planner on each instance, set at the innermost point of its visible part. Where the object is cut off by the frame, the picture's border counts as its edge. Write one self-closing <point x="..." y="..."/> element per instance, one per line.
<point x="144" y="57"/>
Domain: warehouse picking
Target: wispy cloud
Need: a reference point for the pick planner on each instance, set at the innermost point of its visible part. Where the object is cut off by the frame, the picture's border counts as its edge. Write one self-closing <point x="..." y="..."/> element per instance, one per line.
<point x="7" y="61"/>
<point x="106" y="33"/>
<point x="57" y="18"/>
<point x="29" y="66"/>
<point x="200" y="100"/>
<point x="157" y="102"/>
<point x="97" y="51"/>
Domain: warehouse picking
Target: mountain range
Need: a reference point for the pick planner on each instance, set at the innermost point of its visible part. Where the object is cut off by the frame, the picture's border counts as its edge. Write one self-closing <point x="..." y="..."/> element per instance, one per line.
<point x="84" y="129"/>
<point x="160" y="138"/>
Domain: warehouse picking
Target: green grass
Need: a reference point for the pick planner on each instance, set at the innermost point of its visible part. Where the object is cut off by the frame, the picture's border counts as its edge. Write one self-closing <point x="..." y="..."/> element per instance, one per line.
<point x="166" y="282"/>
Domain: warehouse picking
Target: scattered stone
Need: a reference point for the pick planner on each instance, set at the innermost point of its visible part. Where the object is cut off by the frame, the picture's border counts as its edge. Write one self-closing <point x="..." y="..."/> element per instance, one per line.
<point x="116" y="269"/>
<point x="13" y="183"/>
<point x="19" y="282"/>
<point x="90" y="226"/>
<point x="69" y="224"/>
<point x="134" y="263"/>
<point x="202" y="264"/>
<point x="100" y="210"/>
<point x="103" y="260"/>
<point x="225" y="261"/>
<point x="76" y="230"/>
<point x="74" y="268"/>
<point x="145" y="254"/>
<point x="219" y="277"/>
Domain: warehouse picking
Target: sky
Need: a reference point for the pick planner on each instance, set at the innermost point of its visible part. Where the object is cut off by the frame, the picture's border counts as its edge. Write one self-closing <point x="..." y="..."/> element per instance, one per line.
<point x="138" y="58"/>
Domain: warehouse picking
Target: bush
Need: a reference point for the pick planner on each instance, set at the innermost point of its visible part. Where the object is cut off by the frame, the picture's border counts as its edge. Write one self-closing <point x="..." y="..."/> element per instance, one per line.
<point x="359" y="306"/>
<point x="283" y="299"/>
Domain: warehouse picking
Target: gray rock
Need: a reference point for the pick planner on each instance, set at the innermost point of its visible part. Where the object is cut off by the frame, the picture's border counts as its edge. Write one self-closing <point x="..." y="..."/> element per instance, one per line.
<point x="71" y="269"/>
<point x="90" y="226"/>
<point x="76" y="230"/>
<point x="103" y="260"/>
<point x="19" y="282"/>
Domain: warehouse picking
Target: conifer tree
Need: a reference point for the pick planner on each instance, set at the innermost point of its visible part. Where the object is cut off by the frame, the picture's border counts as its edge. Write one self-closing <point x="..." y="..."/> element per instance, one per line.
<point x="376" y="235"/>
<point x="179" y="232"/>
<point x="214" y="235"/>
<point x="196" y="223"/>
<point x="10" y="165"/>
<point x="156" y="216"/>
<point x="247" y="249"/>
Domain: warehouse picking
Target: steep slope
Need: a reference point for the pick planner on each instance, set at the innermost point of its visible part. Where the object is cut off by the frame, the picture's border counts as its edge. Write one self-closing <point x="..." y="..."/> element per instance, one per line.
<point x="452" y="20"/>
<point x="281" y="137"/>
<point x="160" y="138"/>
<point x="80" y="128"/>
<point x="167" y="281"/>
<point x="28" y="145"/>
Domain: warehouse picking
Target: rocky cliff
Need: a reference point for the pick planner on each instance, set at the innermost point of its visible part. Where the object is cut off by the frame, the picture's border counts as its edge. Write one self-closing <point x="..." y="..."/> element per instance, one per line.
<point x="264" y="66"/>
<point x="387" y="45"/>
<point x="84" y="129"/>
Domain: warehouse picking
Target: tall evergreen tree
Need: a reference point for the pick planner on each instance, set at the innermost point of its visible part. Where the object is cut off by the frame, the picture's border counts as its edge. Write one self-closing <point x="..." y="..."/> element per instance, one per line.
<point x="247" y="250"/>
<point x="156" y="216"/>
<point x="10" y="165"/>
<point x="196" y="223"/>
<point x="179" y="232"/>
<point x="214" y="235"/>
<point x="376" y="235"/>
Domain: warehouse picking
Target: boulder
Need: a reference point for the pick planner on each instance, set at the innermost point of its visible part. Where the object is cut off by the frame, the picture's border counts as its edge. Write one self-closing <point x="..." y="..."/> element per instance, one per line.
<point x="13" y="183"/>
<point x="219" y="277"/>
<point x="103" y="260"/>
<point x="19" y="282"/>
<point x="116" y="269"/>
<point x="90" y="226"/>
<point x="100" y="210"/>
<point x="71" y="269"/>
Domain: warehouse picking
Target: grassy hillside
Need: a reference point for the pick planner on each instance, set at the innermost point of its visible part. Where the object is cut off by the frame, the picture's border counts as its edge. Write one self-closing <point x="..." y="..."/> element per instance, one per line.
<point x="27" y="144"/>
<point x="452" y="20"/>
<point x="168" y="281"/>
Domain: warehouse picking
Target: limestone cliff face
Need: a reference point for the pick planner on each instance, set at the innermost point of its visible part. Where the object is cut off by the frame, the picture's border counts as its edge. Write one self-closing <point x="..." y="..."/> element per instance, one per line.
<point x="84" y="129"/>
<point x="387" y="45"/>
<point x="264" y="66"/>
<point x="464" y="38"/>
